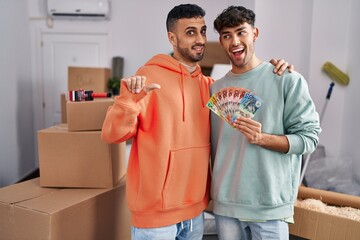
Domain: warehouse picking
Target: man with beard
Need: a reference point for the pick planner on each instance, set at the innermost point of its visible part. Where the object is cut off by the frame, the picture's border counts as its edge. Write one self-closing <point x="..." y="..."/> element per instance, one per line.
<point x="168" y="177"/>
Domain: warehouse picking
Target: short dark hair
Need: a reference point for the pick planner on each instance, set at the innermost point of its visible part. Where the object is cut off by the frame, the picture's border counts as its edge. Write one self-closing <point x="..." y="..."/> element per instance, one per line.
<point x="234" y="16"/>
<point x="183" y="11"/>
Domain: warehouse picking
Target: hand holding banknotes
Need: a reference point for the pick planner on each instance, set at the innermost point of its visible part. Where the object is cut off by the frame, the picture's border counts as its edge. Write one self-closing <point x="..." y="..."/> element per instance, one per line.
<point x="250" y="128"/>
<point x="137" y="83"/>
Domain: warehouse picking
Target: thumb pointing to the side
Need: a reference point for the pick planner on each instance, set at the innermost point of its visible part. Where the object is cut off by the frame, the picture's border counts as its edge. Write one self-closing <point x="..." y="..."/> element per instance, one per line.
<point x="151" y="87"/>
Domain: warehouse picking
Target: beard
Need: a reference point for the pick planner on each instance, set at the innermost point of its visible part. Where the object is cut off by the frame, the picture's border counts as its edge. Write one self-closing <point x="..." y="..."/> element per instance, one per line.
<point x="192" y="57"/>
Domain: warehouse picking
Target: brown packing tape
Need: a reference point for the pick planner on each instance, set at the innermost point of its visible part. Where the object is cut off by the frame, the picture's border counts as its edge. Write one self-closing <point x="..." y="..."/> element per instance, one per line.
<point x="328" y="197"/>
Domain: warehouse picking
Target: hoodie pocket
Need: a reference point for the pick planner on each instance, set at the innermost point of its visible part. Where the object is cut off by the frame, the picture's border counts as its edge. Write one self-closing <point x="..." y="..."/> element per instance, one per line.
<point x="187" y="176"/>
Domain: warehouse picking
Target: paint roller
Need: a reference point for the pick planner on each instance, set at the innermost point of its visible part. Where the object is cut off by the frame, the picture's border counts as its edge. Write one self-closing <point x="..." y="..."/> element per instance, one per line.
<point x="338" y="76"/>
<point x="335" y="74"/>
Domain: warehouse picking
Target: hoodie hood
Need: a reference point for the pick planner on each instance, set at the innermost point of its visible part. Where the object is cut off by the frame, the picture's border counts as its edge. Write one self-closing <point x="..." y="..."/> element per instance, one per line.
<point x="171" y="64"/>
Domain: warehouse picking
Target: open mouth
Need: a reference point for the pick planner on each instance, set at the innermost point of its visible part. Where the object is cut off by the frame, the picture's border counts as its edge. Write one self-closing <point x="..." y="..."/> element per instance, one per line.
<point x="238" y="52"/>
<point x="198" y="49"/>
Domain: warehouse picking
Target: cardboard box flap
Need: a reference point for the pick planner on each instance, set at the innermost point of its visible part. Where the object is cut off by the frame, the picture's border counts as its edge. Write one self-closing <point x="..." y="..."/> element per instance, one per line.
<point x="24" y="191"/>
<point x="60" y="200"/>
<point x="62" y="127"/>
<point x="63" y="198"/>
<point x="332" y="198"/>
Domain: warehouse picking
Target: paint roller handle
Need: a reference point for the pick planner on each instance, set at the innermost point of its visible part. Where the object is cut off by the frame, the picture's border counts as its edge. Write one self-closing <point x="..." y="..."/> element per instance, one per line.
<point x="328" y="95"/>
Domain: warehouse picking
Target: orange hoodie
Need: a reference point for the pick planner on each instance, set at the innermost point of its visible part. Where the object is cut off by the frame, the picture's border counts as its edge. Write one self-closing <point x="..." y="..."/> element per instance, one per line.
<point x="168" y="169"/>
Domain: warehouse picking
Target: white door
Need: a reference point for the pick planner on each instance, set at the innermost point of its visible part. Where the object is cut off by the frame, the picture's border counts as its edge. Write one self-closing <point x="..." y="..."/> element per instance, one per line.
<point x="61" y="50"/>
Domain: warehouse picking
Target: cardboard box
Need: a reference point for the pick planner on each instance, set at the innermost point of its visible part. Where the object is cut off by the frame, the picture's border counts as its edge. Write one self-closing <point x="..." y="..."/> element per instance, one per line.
<point x="87" y="115"/>
<point x="28" y="211"/>
<point x="214" y="53"/>
<point x="88" y="78"/>
<point x="79" y="159"/>
<point x="315" y="225"/>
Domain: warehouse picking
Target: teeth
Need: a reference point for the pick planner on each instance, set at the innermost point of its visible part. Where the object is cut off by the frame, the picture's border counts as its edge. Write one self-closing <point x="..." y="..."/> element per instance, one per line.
<point x="238" y="50"/>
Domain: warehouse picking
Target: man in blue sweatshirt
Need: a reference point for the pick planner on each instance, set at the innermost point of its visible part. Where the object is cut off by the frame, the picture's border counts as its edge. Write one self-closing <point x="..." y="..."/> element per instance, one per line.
<point x="257" y="159"/>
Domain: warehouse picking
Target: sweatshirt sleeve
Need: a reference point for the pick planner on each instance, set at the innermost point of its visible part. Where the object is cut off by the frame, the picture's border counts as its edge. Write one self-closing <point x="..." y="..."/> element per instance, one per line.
<point x="121" y="119"/>
<point x="301" y="118"/>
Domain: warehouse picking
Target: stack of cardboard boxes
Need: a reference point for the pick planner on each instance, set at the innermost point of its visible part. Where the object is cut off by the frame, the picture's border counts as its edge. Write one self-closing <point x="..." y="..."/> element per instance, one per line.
<point x="80" y="193"/>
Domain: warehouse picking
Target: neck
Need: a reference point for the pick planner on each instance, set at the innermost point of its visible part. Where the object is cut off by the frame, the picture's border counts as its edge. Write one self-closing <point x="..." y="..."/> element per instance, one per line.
<point x="253" y="63"/>
<point x="185" y="63"/>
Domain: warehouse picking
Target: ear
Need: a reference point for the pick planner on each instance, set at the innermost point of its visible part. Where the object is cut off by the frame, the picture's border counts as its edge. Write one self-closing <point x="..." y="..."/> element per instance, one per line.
<point x="256" y="33"/>
<point x="220" y="41"/>
<point x="172" y="38"/>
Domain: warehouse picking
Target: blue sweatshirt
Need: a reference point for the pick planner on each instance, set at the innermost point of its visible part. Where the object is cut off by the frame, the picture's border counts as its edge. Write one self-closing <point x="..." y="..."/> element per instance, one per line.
<point x="250" y="182"/>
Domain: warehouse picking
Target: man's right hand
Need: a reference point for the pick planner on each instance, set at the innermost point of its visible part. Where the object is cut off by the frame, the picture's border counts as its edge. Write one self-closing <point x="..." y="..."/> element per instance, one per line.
<point x="137" y="83"/>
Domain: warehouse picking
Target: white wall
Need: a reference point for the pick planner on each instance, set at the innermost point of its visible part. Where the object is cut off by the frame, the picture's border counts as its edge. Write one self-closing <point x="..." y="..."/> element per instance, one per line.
<point x="16" y="114"/>
<point x="351" y="114"/>
<point x="284" y="31"/>
<point x="306" y="33"/>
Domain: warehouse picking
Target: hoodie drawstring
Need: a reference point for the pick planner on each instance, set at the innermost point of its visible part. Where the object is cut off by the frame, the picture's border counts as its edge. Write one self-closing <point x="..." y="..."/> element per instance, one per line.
<point x="203" y="92"/>
<point x="191" y="225"/>
<point x="203" y="88"/>
<point x="182" y="91"/>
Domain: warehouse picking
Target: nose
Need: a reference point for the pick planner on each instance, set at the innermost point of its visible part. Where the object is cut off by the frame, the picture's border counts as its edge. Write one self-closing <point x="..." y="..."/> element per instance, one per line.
<point x="236" y="41"/>
<point x="201" y="39"/>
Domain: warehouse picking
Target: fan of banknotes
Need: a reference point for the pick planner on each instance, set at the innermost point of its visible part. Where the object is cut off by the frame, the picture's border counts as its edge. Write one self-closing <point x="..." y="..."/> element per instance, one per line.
<point x="230" y="102"/>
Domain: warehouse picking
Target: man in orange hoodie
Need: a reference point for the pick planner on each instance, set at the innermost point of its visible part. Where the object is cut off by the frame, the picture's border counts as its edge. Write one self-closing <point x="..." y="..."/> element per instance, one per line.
<point x="168" y="177"/>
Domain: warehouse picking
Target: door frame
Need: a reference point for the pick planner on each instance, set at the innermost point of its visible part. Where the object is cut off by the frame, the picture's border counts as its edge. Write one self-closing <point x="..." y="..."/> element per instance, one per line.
<point x="37" y="69"/>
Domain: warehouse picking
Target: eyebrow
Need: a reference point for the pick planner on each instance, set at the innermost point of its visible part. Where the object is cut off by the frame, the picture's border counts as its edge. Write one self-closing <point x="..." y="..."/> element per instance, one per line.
<point x="190" y="28"/>
<point x="194" y="28"/>
<point x="236" y="30"/>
